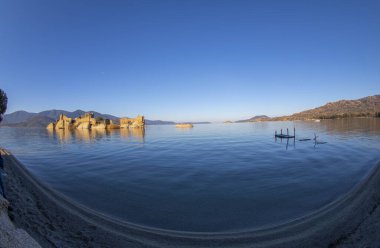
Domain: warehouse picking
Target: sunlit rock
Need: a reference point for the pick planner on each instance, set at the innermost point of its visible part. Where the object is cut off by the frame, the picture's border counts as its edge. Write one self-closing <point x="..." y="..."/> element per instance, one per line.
<point x="87" y="121"/>
<point x="184" y="125"/>
<point x="137" y="122"/>
<point x="64" y="122"/>
<point x="50" y="126"/>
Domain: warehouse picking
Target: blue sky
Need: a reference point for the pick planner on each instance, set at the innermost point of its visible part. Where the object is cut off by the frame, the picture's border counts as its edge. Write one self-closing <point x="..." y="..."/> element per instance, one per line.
<point x="188" y="60"/>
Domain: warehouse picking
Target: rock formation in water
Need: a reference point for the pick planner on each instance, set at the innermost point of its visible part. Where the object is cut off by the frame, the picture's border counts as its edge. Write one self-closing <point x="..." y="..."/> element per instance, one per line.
<point x="132" y="122"/>
<point x="87" y="121"/>
<point x="62" y="123"/>
<point x="184" y="125"/>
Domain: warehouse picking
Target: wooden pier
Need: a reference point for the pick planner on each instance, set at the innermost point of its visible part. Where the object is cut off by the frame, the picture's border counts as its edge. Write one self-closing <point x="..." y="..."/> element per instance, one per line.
<point x="288" y="137"/>
<point x="285" y="136"/>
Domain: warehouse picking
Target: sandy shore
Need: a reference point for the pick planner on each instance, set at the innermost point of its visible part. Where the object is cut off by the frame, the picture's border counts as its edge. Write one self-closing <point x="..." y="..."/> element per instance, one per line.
<point x="55" y="221"/>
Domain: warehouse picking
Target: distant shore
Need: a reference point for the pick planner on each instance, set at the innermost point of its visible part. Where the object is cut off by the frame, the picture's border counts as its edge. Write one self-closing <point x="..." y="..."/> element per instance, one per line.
<point x="53" y="220"/>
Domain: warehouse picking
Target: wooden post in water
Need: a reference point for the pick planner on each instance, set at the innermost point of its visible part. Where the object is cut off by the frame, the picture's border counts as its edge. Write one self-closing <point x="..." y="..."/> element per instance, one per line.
<point x="294" y="132"/>
<point x="287" y="131"/>
<point x="281" y="131"/>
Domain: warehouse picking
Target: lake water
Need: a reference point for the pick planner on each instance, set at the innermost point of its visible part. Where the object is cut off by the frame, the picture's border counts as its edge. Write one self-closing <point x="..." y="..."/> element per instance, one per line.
<point x="212" y="178"/>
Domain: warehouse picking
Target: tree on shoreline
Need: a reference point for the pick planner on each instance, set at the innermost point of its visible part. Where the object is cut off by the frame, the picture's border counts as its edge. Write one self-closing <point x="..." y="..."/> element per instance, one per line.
<point x="3" y="103"/>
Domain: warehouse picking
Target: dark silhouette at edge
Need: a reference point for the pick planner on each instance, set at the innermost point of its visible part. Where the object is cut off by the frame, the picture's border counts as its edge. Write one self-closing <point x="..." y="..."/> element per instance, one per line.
<point x="3" y="108"/>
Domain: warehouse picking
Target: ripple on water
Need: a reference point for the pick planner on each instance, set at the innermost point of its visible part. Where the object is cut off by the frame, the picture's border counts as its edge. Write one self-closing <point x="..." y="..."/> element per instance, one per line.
<point x="210" y="178"/>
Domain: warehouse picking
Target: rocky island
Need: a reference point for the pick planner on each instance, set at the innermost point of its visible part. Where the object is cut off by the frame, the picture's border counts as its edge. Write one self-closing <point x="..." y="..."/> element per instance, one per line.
<point x="184" y="125"/>
<point x="88" y="121"/>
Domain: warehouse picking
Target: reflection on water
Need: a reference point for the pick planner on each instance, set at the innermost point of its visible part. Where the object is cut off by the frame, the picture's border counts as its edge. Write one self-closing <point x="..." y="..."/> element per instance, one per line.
<point x="360" y="126"/>
<point x="90" y="135"/>
<point x="137" y="133"/>
<point x="355" y="126"/>
<point x="213" y="177"/>
<point x="290" y="142"/>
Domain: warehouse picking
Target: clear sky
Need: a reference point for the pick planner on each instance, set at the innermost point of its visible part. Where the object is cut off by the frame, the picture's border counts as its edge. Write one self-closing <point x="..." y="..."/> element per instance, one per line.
<point x="188" y="60"/>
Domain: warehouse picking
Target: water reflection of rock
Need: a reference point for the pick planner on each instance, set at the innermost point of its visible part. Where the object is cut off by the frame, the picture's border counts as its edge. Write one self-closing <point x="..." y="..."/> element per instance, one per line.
<point x="136" y="133"/>
<point x="100" y="133"/>
<point x="88" y="135"/>
<point x="60" y="134"/>
<point x="85" y="134"/>
<point x="93" y="134"/>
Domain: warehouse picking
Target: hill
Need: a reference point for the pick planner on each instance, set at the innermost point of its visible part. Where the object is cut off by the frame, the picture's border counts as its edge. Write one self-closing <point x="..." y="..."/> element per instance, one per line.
<point x="16" y="117"/>
<point x="23" y="116"/>
<point x="42" y="119"/>
<point x="255" y="119"/>
<point x="159" y="122"/>
<point x="363" y="107"/>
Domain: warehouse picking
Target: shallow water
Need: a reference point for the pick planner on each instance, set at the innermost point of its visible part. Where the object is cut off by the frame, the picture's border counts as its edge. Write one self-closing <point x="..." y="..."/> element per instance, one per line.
<point x="217" y="177"/>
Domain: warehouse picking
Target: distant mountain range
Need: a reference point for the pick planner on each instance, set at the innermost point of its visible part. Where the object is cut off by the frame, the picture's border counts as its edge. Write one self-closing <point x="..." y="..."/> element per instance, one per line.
<point x="34" y="121"/>
<point x="23" y="116"/>
<point x="363" y="107"/>
<point x="42" y="119"/>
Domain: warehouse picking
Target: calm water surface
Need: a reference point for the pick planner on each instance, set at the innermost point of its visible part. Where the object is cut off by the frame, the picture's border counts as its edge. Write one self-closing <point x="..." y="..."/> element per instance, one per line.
<point x="217" y="177"/>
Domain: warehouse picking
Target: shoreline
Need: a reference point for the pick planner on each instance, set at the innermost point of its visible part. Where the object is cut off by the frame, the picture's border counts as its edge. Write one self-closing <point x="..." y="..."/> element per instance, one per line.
<point x="54" y="220"/>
